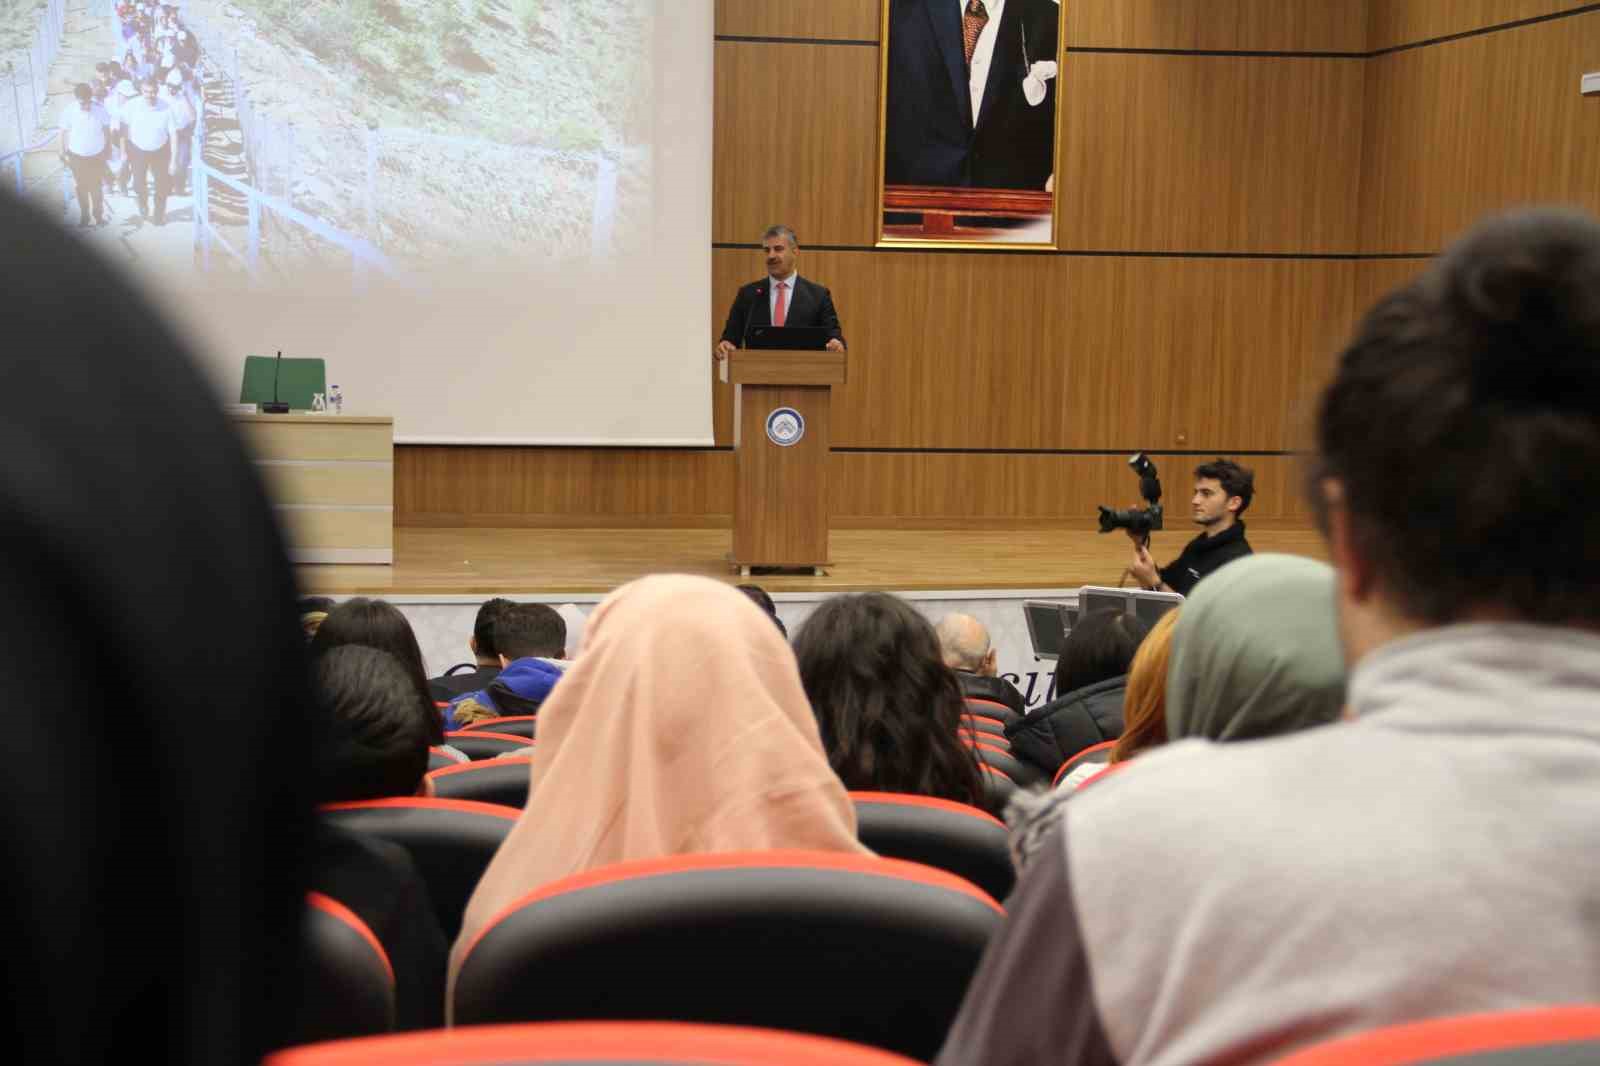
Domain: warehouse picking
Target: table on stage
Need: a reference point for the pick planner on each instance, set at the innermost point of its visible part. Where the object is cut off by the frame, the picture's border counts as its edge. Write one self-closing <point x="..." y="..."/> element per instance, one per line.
<point x="330" y="480"/>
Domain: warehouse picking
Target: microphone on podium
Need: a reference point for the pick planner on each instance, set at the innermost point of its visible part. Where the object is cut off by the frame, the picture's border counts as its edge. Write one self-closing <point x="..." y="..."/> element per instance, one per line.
<point x="277" y="406"/>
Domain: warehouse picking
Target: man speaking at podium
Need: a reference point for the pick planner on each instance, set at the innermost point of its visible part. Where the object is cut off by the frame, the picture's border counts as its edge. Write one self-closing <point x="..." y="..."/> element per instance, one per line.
<point x="782" y="298"/>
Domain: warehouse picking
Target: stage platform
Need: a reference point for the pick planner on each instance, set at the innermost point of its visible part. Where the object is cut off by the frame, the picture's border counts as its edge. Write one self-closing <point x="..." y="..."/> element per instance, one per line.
<point x="441" y="565"/>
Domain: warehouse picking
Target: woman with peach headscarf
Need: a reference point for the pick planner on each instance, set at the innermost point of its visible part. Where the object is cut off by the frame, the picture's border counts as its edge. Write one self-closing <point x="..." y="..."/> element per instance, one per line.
<point x="680" y="728"/>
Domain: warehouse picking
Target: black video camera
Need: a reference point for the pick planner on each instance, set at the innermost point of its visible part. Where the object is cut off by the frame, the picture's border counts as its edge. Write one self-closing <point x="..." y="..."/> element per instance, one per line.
<point x="1138" y="520"/>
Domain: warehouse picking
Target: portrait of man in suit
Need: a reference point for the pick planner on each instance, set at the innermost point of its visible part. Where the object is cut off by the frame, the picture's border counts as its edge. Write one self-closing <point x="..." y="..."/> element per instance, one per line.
<point x="970" y="104"/>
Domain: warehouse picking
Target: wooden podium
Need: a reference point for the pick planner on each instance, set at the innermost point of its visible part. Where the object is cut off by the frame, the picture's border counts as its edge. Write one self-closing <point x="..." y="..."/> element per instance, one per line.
<point x="781" y="439"/>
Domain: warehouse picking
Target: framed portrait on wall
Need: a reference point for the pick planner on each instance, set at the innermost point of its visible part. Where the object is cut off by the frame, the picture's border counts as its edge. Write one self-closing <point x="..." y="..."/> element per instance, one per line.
<point x="967" y="135"/>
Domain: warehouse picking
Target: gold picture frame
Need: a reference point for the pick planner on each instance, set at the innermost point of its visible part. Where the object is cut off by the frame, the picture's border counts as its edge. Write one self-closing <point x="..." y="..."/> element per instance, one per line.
<point x="945" y="179"/>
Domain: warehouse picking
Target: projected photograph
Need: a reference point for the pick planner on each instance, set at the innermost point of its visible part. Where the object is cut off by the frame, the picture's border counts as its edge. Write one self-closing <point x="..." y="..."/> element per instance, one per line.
<point x="968" y="122"/>
<point x="366" y="137"/>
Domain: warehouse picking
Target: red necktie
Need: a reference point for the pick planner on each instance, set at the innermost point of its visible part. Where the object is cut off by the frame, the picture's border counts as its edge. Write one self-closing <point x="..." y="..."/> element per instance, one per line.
<point x="972" y="24"/>
<point x="780" y="312"/>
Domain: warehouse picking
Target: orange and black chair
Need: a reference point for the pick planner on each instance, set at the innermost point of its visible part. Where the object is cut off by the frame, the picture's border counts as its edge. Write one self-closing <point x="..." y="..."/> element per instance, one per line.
<point x="992" y="709"/>
<point x="516" y="725"/>
<point x="591" y="1044"/>
<point x="1546" y="1036"/>
<point x="1099" y="754"/>
<point x="485" y="744"/>
<point x="997" y="786"/>
<point x="347" y="981"/>
<point x="856" y="947"/>
<point x="1006" y="763"/>
<point x="438" y="758"/>
<point x="504" y="781"/>
<point x="983" y="724"/>
<point x="451" y="842"/>
<point x="964" y="840"/>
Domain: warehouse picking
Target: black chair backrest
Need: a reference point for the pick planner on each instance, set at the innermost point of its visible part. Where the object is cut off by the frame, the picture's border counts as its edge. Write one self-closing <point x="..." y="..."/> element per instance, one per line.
<point x="997" y="787"/>
<point x="451" y="841"/>
<point x="1003" y="762"/>
<point x="983" y="724"/>
<point x="485" y="745"/>
<point x="438" y="759"/>
<point x="520" y="725"/>
<point x="347" y="986"/>
<point x="964" y="840"/>
<point x="878" y="951"/>
<point x="503" y="781"/>
<point x="1098" y="754"/>
<point x="992" y="709"/>
<point x="593" y="1044"/>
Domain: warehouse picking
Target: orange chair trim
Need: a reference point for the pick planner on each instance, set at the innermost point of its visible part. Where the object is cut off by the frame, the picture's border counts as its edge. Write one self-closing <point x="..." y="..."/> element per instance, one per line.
<point x="329" y="905"/>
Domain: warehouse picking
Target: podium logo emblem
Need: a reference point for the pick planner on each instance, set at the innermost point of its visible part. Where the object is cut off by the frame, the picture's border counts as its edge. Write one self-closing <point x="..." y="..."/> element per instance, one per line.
<point x="785" y="427"/>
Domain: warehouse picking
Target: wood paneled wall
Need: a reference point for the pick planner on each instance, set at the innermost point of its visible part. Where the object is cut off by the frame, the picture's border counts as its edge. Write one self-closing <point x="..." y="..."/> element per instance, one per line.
<point x="1231" y="172"/>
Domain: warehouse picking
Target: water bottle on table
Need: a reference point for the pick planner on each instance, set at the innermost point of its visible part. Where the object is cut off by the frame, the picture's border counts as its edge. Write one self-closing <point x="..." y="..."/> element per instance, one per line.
<point x="335" y="400"/>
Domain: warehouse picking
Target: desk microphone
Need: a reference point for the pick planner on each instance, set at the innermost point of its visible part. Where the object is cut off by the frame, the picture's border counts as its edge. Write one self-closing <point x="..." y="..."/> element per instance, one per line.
<point x="276" y="407"/>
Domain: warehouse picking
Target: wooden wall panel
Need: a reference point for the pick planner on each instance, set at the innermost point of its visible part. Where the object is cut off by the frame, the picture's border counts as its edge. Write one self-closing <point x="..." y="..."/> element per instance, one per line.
<point x="1376" y="278"/>
<point x="952" y="350"/>
<point x="858" y="20"/>
<point x="1397" y="22"/>
<point x="1230" y="25"/>
<point x="795" y="141"/>
<point x="1456" y="130"/>
<point x="1210" y="153"/>
<point x="462" y="486"/>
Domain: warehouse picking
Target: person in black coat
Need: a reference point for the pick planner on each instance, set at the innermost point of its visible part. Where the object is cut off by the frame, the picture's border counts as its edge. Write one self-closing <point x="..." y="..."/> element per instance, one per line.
<point x="782" y="298"/>
<point x="1090" y="677"/>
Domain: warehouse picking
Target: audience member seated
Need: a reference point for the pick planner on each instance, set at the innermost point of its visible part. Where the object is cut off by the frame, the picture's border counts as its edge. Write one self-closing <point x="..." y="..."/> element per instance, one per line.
<point x="155" y="830"/>
<point x="530" y="640"/>
<point x="1091" y="675"/>
<point x="1144" y="703"/>
<point x="759" y="597"/>
<point x="373" y="743"/>
<point x="889" y="709"/>
<point x="485" y="666"/>
<point x="964" y="642"/>
<point x="682" y="728"/>
<point x="312" y="611"/>
<point x="1256" y="653"/>
<point x="1233" y="902"/>
<point x="378" y="624"/>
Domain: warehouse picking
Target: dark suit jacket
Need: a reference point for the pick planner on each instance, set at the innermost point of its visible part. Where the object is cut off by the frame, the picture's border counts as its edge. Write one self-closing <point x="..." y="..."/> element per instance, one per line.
<point x="809" y="305"/>
<point x="929" y="135"/>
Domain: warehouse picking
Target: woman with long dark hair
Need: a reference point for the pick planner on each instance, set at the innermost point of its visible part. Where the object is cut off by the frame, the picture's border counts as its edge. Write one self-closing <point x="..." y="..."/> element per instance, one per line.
<point x="888" y="707"/>
<point x="379" y="624"/>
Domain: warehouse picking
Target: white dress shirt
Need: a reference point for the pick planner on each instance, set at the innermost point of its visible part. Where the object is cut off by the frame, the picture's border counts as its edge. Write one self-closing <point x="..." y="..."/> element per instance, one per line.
<point x="983" y="54"/>
<point x="788" y="296"/>
<point x="150" y="126"/>
<point x="85" y="131"/>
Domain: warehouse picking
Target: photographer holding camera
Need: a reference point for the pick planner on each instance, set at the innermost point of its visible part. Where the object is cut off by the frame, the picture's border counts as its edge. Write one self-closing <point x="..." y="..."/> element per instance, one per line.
<point x="1222" y="493"/>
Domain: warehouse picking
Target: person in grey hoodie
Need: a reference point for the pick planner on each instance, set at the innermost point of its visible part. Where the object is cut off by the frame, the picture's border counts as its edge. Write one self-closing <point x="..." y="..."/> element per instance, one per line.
<point x="1436" y="855"/>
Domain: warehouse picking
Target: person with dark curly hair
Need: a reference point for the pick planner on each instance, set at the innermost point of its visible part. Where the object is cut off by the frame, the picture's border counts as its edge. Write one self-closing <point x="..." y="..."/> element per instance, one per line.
<point x="889" y="709"/>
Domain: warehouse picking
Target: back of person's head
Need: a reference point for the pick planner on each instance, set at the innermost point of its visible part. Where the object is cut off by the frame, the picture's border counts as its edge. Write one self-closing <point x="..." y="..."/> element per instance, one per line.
<point x="372" y="740"/>
<point x="157" y="797"/>
<point x="1235" y="480"/>
<point x="1256" y="652"/>
<point x="761" y="599"/>
<point x="963" y="641"/>
<point x="483" y="627"/>
<point x="378" y="624"/>
<point x="889" y="709"/>
<point x="1458" y="444"/>
<point x="524" y="629"/>
<point x="1100" y="647"/>
<point x="1144" y="703"/>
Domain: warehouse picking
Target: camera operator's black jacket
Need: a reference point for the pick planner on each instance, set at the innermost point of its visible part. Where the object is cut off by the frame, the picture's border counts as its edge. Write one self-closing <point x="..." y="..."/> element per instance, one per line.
<point x="1203" y="555"/>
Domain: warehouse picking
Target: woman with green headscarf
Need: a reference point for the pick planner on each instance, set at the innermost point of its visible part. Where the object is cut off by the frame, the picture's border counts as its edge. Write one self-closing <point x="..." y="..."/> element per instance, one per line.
<point x="1256" y="652"/>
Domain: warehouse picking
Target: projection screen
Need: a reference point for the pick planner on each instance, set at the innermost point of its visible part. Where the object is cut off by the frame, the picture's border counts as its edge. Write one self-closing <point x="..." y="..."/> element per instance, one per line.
<point x="490" y="217"/>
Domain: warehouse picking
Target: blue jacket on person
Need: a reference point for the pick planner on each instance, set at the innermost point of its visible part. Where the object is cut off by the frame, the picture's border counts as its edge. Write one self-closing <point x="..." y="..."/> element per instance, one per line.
<point x="518" y="689"/>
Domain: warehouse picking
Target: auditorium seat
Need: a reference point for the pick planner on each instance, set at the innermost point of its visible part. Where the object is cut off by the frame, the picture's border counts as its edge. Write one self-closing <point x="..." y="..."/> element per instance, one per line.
<point x="451" y="841"/>
<point x="503" y="781"/>
<point x="1099" y="754"/>
<point x="592" y="1044"/>
<point x="485" y="745"/>
<point x="438" y="758"/>
<point x="870" y="949"/>
<point x="997" y="787"/>
<point x="1005" y="763"/>
<point x="983" y="723"/>
<point x="1547" y="1036"/>
<point x="997" y="740"/>
<point x="347" y="986"/>
<point x="516" y="725"/>
<point x="964" y="840"/>
<point x="991" y="709"/>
